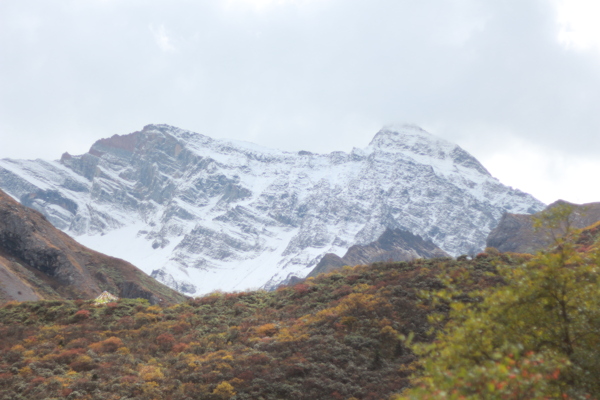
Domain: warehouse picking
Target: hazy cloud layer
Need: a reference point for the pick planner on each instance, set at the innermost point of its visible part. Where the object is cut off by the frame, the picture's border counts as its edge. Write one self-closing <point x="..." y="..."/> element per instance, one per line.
<point x="318" y="75"/>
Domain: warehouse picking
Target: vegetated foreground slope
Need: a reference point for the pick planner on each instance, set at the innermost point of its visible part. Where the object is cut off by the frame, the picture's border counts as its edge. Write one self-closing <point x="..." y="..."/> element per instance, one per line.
<point x="201" y="214"/>
<point x="38" y="261"/>
<point x="533" y="337"/>
<point x="516" y="232"/>
<point x="336" y="336"/>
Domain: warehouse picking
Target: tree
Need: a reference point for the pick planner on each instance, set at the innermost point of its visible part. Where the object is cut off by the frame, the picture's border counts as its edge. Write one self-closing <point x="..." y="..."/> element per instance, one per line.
<point x="535" y="337"/>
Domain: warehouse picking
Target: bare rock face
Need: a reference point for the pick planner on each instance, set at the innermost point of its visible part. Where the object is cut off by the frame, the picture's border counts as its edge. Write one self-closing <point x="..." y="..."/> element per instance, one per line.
<point x="392" y="245"/>
<point x="38" y="261"/>
<point x="201" y="214"/>
<point x="515" y="232"/>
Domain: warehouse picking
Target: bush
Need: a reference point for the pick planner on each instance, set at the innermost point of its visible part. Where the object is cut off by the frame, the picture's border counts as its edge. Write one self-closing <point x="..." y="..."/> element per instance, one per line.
<point x="81" y="315"/>
<point x="165" y="341"/>
<point x="109" y="345"/>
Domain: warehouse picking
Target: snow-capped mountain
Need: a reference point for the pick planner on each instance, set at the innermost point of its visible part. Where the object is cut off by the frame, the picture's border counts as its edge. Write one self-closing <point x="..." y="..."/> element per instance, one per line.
<point x="201" y="214"/>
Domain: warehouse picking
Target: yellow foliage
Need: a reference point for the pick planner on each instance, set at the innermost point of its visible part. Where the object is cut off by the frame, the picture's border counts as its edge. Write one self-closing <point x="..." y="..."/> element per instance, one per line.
<point x="361" y="287"/>
<point x="224" y="391"/>
<point x="223" y="367"/>
<point x="384" y="322"/>
<point x="388" y="331"/>
<point x="266" y="330"/>
<point x="389" y="335"/>
<point x="48" y="332"/>
<point x="286" y="335"/>
<point x="151" y="373"/>
<point x="84" y="359"/>
<point x="151" y="389"/>
<point x="154" y="309"/>
<point x="352" y="305"/>
<point x="18" y="348"/>
<point x="145" y="318"/>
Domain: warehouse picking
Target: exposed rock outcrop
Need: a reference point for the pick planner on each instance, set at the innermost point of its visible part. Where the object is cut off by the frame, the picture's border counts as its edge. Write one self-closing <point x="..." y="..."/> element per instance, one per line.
<point x="392" y="245"/>
<point x="516" y="233"/>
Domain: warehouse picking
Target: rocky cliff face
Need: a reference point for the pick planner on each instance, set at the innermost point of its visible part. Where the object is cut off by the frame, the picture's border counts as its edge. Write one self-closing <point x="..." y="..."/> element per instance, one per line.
<point x="38" y="261"/>
<point x="203" y="214"/>
<point x="392" y="245"/>
<point x="515" y="232"/>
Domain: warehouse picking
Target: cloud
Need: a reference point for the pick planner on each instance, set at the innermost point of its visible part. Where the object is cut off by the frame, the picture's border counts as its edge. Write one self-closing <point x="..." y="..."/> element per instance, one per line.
<point x="578" y="21"/>
<point x="163" y="41"/>
<point x="314" y="75"/>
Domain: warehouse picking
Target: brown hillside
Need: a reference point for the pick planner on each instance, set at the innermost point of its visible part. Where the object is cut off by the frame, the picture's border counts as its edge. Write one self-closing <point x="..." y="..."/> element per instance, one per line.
<point x="38" y="261"/>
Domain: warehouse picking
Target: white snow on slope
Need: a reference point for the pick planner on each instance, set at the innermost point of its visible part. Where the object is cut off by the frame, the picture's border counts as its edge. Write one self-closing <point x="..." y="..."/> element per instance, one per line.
<point x="202" y="214"/>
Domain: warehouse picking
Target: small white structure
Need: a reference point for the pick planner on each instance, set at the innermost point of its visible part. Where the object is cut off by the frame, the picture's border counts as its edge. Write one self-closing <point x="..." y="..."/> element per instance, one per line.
<point x="105" y="297"/>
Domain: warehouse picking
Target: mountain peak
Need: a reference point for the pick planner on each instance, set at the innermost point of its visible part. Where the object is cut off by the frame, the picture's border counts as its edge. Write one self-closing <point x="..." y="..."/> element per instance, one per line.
<point x="417" y="142"/>
<point x="408" y="137"/>
<point x="125" y="143"/>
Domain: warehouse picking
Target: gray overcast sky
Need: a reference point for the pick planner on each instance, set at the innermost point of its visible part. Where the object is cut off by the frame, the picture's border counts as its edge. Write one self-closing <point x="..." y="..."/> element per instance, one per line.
<point x="501" y="78"/>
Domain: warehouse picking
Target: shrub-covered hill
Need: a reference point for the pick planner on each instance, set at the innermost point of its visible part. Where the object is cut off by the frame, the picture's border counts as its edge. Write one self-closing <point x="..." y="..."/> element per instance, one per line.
<point x="337" y="336"/>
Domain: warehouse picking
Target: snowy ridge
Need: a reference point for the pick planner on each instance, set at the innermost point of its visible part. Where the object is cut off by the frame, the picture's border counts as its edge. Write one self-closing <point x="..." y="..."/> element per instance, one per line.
<point x="201" y="214"/>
